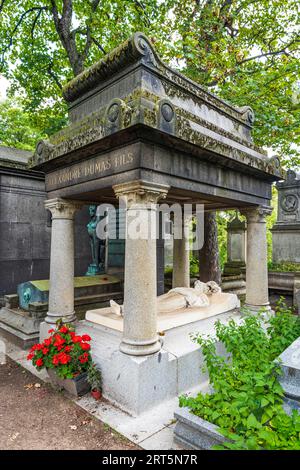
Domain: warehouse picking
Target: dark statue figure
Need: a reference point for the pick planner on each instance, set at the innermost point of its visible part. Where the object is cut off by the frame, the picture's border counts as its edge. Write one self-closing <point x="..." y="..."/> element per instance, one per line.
<point x="97" y="245"/>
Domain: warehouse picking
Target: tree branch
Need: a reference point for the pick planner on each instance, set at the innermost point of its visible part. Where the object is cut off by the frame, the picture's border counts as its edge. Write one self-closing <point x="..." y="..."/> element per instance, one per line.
<point x="143" y="8"/>
<point x="284" y="50"/>
<point x="19" y="22"/>
<point x="52" y="74"/>
<point x="88" y="43"/>
<point x="98" y="45"/>
<point x="35" y="23"/>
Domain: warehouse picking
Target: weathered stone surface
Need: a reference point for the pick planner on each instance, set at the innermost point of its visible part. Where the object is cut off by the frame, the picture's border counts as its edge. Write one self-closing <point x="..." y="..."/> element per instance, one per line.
<point x="296" y="291"/>
<point x="61" y="294"/>
<point x="118" y="94"/>
<point x="19" y="326"/>
<point x="14" y="158"/>
<point x="25" y="225"/>
<point x="236" y="247"/>
<point x="193" y="432"/>
<point x="140" y="329"/>
<point x="257" y="295"/>
<point x="235" y="284"/>
<point x="286" y="231"/>
<point x="290" y="379"/>
<point x="38" y="291"/>
<point x="138" y="384"/>
<point x="181" y="257"/>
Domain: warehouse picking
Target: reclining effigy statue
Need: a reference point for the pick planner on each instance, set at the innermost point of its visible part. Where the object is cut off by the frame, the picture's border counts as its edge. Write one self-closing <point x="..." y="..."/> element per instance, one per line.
<point x="180" y="298"/>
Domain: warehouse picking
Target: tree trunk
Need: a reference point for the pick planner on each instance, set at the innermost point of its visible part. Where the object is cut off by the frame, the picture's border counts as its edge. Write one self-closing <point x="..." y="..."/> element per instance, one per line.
<point x="209" y="262"/>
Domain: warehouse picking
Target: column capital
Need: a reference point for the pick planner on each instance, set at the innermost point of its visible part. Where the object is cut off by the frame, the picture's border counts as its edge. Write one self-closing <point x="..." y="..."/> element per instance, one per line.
<point x="256" y="214"/>
<point x="141" y="192"/>
<point x="63" y="208"/>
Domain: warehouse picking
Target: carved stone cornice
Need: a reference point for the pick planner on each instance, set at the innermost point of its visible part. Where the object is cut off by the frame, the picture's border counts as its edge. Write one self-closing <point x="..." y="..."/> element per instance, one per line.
<point x="140" y="193"/>
<point x="63" y="208"/>
<point x="138" y="47"/>
<point x="256" y="214"/>
<point x="158" y="100"/>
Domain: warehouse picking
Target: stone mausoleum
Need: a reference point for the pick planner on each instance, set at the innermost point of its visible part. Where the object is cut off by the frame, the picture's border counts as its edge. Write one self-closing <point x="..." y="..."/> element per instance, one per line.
<point x="141" y="132"/>
<point x="286" y="231"/>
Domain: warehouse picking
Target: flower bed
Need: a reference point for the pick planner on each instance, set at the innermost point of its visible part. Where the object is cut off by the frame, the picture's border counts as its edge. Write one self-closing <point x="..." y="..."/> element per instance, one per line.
<point x="246" y="403"/>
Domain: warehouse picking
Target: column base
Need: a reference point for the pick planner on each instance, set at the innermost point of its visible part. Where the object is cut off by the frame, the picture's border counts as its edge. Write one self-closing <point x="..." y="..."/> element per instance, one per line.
<point x="139" y="349"/>
<point x="52" y="319"/>
<point x="46" y="325"/>
<point x="265" y="309"/>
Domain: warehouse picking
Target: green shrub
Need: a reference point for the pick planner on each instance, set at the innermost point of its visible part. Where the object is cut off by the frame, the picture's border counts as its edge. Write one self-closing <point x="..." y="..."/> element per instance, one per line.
<point x="246" y="402"/>
<point x="284" y="267"/>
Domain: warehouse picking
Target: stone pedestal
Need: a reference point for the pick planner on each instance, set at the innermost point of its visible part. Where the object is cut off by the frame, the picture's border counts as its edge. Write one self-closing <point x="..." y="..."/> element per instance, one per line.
<point x="140" y="310"/>
<point x="181" y="254"/>
<point x="257" y="295"/>
<point x="61" y="294"/>
<point x="236" y="248"/>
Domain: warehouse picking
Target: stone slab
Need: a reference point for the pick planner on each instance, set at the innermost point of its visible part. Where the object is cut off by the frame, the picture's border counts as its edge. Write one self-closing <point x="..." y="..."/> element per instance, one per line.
<point x="38" y="290"/>
<point x="290" y="364"/>
<point x="193" y="432"/>
<point x="286" y="245"/>
<point x="162" y="440"/>
<point x="219" y="303"/>
<point x="137" y="384"/>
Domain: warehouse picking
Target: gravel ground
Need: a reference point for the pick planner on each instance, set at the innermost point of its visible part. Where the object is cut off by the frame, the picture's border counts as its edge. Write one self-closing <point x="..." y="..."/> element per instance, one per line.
<point x="34" y="416"/>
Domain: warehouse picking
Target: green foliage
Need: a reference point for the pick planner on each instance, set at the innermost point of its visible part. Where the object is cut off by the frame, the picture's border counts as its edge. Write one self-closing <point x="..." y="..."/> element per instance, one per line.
<point x="246" y="402"/>
<point x="284" y="267"/>
<point x="247" y="52"/>
<point x="16" y="128"/>
<point x="94" y="377"/>
<point x="194" y="265"/>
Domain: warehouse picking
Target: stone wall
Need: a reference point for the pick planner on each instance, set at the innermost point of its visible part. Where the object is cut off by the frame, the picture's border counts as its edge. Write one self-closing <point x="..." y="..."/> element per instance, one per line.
<point x="25" y="225"/>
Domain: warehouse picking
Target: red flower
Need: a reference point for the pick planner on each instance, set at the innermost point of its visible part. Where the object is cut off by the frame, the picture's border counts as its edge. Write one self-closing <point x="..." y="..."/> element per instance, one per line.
<point x="39" y="362"/>
<point x="64" y="358"/>
<point x="45" y="350"/>
<point x="47" y="342"/>
<point x="68" y="349"/>
<point x="64" y="329"/>
<point x="36" y="347"/>
<point x="72" y="334"/>
<point x="55" y="360"/>
<point x="59" y="341"/>
<point x="77" y="339"/>
<point x="51" y="331"/>
<point x="30" y="356"/>
<point x="85" y="346"/>
<point x="86" y="338"/>
<point x="84" y="358"/>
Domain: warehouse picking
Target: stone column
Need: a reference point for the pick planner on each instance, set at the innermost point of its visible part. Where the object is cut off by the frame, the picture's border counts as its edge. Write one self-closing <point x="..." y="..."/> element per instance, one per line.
<point x="140" y="300"/>
<point x="181" y="255"/>
<point x="61" y="293"/>
<point x="257" y="295"/>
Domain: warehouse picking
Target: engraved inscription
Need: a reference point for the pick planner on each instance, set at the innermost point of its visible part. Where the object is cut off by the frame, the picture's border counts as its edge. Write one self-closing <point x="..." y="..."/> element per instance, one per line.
<point x="87" y="170"/>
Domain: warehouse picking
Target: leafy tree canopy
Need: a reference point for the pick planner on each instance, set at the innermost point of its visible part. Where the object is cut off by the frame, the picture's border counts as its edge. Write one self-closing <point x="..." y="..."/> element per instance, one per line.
<point x="16" y="127"/>
<point x="247" y="51"/>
